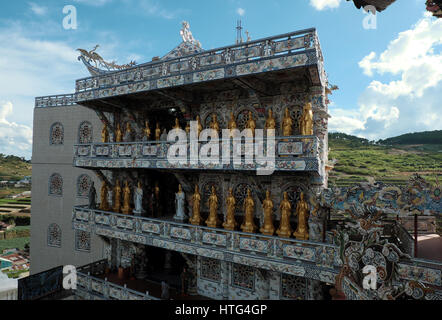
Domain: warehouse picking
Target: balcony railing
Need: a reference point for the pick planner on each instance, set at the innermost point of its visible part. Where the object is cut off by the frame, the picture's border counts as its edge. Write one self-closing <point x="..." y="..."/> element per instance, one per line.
<point x="55" y="101"/>
<point x="89" y="287"/>
<point x="315" y="260"/>
<point x="296" y="153"/>
<point x="285" y="51"/>
<point x="268" y="252"/>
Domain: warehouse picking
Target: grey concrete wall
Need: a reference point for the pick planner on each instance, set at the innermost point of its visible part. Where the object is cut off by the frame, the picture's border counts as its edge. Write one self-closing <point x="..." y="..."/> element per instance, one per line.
<point x="46" y="209"/>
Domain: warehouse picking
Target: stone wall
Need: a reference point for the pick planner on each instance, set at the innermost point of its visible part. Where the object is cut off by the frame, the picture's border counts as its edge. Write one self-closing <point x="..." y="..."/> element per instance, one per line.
<point x="52" y="154"/>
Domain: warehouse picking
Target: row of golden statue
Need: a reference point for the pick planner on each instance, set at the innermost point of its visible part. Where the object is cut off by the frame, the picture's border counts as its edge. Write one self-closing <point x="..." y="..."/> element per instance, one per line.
<point x="213" y="221"/>
<point x="248" y="224"/>
<point x="122" y="198"/>
<point x="306" y="126"/>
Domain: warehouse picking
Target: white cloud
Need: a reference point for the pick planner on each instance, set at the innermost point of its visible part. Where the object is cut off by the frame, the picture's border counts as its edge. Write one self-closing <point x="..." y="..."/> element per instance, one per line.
<point x="325" y="4"/>
<point x="411" y="100"/>
<point x="240" y="11"/>
<point x="14" y="138"/>
<point x="38" y="10"/>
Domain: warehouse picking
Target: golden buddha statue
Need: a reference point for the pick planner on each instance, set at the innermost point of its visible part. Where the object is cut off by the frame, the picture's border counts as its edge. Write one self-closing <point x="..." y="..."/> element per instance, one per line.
<point x="232" y="123"/>
<point x="196" y="200"/>
<point x="104" y="204"/>
<point x="177" y="124"/>
<point x="146" y="130"/>
<point x="126" y="199"/>
<point x="285" y="230"/>
<point x="157" y="132"/>
<point x="214" y="123"/>
<point x="249" y="214"/>
<point x="105" y="134"/>
<point x="157" y="208"/>
<point x="117" y="197"/>
<point x="301" y="232"/>
<point x="251" y="123"/>
<point x="306" y="126"/>
<point x="287" y="124"/>
<point x="212" y="220"/>
<point x="268" y="229"/>
<point x="200" y="126"/>
<point x="230" y="223"/>
<point x="128" y="129"/>
<point x="118" y="134"/>
<point x="270" y="121"/>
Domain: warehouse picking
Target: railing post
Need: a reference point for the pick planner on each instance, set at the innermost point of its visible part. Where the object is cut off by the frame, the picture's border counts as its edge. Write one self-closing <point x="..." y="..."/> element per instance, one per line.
<point x="415" y="235"/>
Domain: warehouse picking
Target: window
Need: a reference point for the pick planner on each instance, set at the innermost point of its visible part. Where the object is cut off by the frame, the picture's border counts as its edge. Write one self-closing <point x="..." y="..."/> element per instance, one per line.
<point x="82" y="241"/>
<point x="243" y="276"/>
<point x="293" y="287"/>
<point x="56" y="185"/>
<point x="210" y="269"/>
<point x="56" y="134"/>
<point x="85" y="132"/>
<point x="83" y="184"/>
<point x="54" y="235"/>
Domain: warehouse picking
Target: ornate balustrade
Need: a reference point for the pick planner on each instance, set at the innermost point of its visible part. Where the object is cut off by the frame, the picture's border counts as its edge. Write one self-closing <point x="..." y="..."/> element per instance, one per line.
<point x="291" y="50"/>
<point x="301" y="258"/>
<point x="55" y="101"/>
<point x="297" y="153"/>
<point x="93" y="288"/>
<point x="314" y="260"/>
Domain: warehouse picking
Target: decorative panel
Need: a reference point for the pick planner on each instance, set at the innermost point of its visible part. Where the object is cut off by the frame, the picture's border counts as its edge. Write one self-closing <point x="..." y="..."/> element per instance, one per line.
<point x="54" y="235"/>
<point x="85" y="132"/>
<point x="82" y="241"/>
<point x="56" y="134"/>
<point x="293" y="287"/>
<point x="56" y="185"/>
<point x="243" y="276"/>
<point x="210" y="269"/>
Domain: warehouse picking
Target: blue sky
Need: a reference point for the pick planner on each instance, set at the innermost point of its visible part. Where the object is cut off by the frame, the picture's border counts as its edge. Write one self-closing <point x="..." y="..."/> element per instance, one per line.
<point x="390" y="77"/>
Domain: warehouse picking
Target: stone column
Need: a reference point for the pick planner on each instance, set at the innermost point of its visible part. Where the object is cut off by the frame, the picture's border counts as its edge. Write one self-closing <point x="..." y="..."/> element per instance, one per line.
<point x="168" y="261"/>
<point x="225" y="271"/>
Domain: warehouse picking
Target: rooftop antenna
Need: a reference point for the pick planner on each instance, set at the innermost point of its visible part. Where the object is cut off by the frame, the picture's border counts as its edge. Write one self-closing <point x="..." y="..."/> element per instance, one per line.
<point x="238" y="32"/>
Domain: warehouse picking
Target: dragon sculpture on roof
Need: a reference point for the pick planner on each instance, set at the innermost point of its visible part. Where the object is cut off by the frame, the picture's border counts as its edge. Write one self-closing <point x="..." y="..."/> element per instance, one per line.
<point x="97" y="65"/>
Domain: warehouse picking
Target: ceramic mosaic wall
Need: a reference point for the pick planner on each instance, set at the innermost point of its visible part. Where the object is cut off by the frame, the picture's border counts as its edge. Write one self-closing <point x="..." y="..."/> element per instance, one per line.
<point x="54" y="235"/>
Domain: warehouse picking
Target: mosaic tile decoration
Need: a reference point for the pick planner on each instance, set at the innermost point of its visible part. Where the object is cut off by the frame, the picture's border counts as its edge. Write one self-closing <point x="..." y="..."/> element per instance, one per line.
<point x="210" y="269"/>
<point x="85" y="132"/>
<point x="55" y="185"/>
<point x="84" y="183"/>
<point x="243" y="277"/>
<point x="54" y="235"/>
<point x="82" y="241"/>
<point x="293" y="287"/>
<point x="56" y="134"/>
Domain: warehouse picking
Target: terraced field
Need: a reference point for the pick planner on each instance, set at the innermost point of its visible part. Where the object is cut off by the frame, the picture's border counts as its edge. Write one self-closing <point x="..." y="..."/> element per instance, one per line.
<point x="358" y="160"/>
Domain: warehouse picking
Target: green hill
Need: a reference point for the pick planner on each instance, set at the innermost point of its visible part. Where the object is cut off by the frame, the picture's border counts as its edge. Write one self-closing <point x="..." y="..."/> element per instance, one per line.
<point x="13" y="168"/>
<point x="391" y="160"/>
<point x="426" y="137"/>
